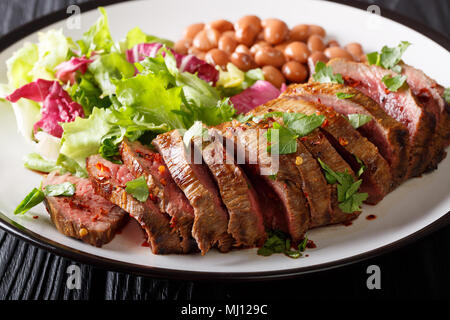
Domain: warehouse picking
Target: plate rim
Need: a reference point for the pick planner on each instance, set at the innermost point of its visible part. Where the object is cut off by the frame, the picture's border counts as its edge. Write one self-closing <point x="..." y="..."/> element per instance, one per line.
<point x="59" y="249"/>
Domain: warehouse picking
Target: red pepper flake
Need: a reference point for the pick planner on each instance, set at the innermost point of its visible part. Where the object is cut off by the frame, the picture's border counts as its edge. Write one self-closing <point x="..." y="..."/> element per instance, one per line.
<point x="163" y="181"/>
<point x="152" y="197"/>
<point x="95" y="218"/>
<point x="386" y="90"/>
<point x="320" y="101"/>
<point x="310" y="244"/>
<point x="306" y="255"/>
<point x="102" y="167"/>
<point x="347" y="223"/>
<point x="306" y="194"/>
<point x="371" y="217"/>
<point x="145" y="244"/>
<point x="173" y="222"/>
<point x="324" y="123"/>
<point x="35" y="217"/>
<point x="161" y="169"/>
<point x="318" y="113"/>
<point x="343" y="142"/>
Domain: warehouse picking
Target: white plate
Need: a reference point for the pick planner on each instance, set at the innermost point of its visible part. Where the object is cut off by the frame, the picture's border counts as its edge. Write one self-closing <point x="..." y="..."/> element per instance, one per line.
<point x="412" y="207"/>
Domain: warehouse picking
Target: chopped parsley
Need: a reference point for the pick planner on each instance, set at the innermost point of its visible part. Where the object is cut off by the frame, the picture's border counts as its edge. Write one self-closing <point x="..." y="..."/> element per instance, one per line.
<point x="348" y="197"/>
<point x="325" y="74"/>
<point x="357" y="120"/>
<point x="447" y="95"/>
<point x="138" y="189"/>
<point x="65" y="189"/>
<point x="389" y="58"/>
<point x="278" y="242"/>
<point x="343" y="95"/>
<point x="296" y="125"/>
<point x="393" y="83"/>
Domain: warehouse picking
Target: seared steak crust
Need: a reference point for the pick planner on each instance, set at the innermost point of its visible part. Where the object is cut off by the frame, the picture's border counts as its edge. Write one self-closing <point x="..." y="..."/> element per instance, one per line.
<point x="141" y="161"/>
<point x="390" y="136"/>
<point x="377" y="178"/>
<point x="211" y="219"/>
<point x="109" y="181"/>
<point x="401" y="105"/>
<point x="246" y="223"/>
<point x="85" y="215"/>
<point x="283" y="185"/>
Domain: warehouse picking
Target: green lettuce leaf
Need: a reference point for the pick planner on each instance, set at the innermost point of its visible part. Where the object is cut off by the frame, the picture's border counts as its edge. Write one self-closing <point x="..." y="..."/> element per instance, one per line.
<point x="136" y="36"/>
<point x="98" y="37"/>
<point x="21" y="63"/>
<point x="65" y="189"/>
<point x="32" y="199"/>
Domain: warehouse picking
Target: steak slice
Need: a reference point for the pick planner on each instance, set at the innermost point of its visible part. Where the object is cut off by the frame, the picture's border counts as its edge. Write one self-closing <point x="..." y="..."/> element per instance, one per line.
<point x="377" y="178"/>
<point x="85" y="215"/>
<point x="210" y="217"/>
<point x="390" y="136"/>
<point x="401" y="105"/>
<point x="141" y="161"/>
<point x="319" y="146"/>
<point x="109" y="181"/>
<point x="280" y="183"/>
<point x="246" y="223"/>
<point x="431" y="96"/>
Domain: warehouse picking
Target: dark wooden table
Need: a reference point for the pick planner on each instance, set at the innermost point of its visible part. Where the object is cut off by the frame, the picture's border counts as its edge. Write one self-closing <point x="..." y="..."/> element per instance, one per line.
<point x="419" y="270"/>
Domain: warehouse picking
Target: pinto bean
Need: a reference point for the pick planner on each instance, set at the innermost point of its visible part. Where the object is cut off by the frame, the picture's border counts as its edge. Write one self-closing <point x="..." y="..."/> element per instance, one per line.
<point x="318" y="30"/>
<point x="300" y="32"/>
<point x="227" y="43"/>
<point x="315" y="43"/>
<point x="273" y="75"/>
<point x="314" y="58"/>
<point x="182" y="46"/>
<point x="294" y="71"/>
<point x="275" y="31"/>
<point x="258" y="46"/>
<point x="297" y="51"/>
<point x="206" y="39"/>
<point x="268" y="56"/>
<point x="243" y="49"/>
<point x="217" y="57"/>
<point x="220" y="25"/>
<point x="247" y="29"/>
<point x="355" y="49"/>
<point x="243" y="61"/>
<point x="191" y="31"/>
<point x="337" y="52"/>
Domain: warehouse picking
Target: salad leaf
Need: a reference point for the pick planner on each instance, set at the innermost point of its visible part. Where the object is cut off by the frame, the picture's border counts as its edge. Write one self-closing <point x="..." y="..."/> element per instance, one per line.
<point x="389" y="57"/>
<point x="393" y="83"/>
<point x="287" y="140"/>
<point x="136" y="36"/>
<point x="348" y="197"/>
<point x="66" y="70"/>
<point x="278" y="242"/>
<point x="98" y="37"/>
<point x="65" y="189"/>
<point x="197" y="130"/>
<point x="83" y="137"/>
<point x="35" y="161"/>
<point x="71" y="166"/>
<point x="259" y="93"/>
<point x="302" y="124"/>
<point x="21" y="63"/>
<point x="343" y="95"/>
<point x="447" y="95"/>
<point x="35" y="197"/>
<point x="233" y="81"/>
<point x="325" y="74"/>
<point x="357" y="120"/>
<point x="108" y="68"/>
<point x="138" y="189"/>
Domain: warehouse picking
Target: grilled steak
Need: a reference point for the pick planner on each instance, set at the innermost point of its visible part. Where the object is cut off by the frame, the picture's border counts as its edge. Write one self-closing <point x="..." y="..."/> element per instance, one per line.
<point x="319" y="146"/>
<point x="377" y="178"/>
<point x="141" y="161"/>
<point x="85" y="215"/>
<point x="246" y="223"/>
<point x="281" y="184"/>
<point x="430" y="94"/>
<point x="109" y="181"/>
<point x="401" y="105"/>
<point x="390" y="136"/>
<point x="211" y="218"/>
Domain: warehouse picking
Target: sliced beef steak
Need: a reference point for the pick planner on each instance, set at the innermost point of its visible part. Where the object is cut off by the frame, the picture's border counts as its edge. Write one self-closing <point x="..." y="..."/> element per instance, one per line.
<point x="141" y="161"/>
<point x="211" y="218"/>
<point x="431" y="96"/>
<point x="377" y="178"/>
<point x="401" y="105"/>
<point x="85" y="215"/>
<point x="246" y="223"/>
<point x="390" y="136"/>
<point x="109" y="181"/>
<point x="280" y="181"/>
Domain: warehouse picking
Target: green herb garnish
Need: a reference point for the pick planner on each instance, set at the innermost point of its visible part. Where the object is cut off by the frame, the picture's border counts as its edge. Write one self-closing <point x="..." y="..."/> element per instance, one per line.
<point x="348" y="197"/>
<point x="325" y="74"/>
<point x="393" y="83"/>
<point x="65" y="189"/>
<point x="35" y="197"/>
<point x="278" y="242"/>
<point x="138" y="189"/>
<point x="389" y="58"/>
<point x="447" y="95"/>
<point x="357" y="120"/>
<point x="343" y="95"/>
<point x="286" y="142"/>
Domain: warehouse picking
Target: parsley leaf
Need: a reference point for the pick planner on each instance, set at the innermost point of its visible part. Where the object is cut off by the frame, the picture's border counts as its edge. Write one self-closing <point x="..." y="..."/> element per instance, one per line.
<point x="388" y="58"/>
<point x="393" y="83"/>
<point x="447" y="94"/>
<point x="285" y="143"/>
<point x="302" y="124"/>
<point x="243" y="118"/>
<point x="357" y="120"/>
<point x="32" y="199"/>
<point x="278" y="242"/>
<point x="66" y="189"/>
<point x="343" y="95"/>
<point x="138" y="189"/>
<point x="325" y="74"/>
<point x="348" y="197"/>
<point x="362" y="166"/>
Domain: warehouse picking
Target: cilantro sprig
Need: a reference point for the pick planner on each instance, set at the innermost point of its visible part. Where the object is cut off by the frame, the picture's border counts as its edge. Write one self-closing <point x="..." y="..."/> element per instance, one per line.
<point x="278" y="242"/>
<point x="325" y="74"/>
<point x="357" y="120"/>
<point x="389" y="57"/>
<point x="138" y="189"/>
<point x="343" y="95"/>
<point x="349" y="198"/>
<point x="393" y="83"/>
<point x="295" y="125"/>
